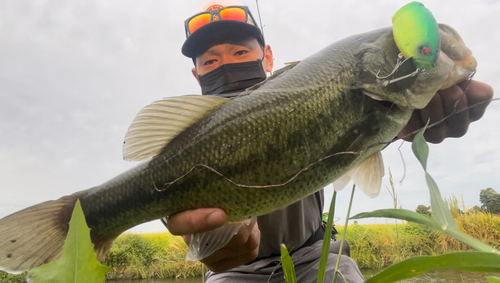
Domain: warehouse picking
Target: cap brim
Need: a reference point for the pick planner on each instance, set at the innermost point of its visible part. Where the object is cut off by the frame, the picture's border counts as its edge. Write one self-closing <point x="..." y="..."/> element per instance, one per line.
<point x="216" y="33"/>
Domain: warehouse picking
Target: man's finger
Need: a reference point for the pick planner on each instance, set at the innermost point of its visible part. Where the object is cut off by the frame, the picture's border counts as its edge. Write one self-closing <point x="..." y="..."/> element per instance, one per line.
<point x="195" y="221"/>
<point x="434" y="112"/>
<point x="454" y="102"/>
<point x="231" y="262"/>
<point x="478" y="95"/>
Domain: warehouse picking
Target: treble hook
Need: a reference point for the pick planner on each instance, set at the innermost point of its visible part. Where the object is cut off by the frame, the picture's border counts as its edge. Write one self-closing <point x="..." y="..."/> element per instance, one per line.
<point x="403" y="74"/>
<point x="398" y="64"/>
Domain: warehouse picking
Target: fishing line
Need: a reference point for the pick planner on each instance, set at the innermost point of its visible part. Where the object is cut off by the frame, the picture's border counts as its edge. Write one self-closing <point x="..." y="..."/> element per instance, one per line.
<point x="455" y="112"/>
<point x="402" y="160"/>
<point x="260" y="19"/>
<point x="168" y="184"/>
<point x="363" y="149"/>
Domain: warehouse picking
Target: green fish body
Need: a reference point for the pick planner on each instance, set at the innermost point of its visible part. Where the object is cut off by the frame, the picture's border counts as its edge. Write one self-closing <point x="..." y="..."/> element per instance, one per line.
<point x="416" y="34"/>
<point x="284" y="139"/>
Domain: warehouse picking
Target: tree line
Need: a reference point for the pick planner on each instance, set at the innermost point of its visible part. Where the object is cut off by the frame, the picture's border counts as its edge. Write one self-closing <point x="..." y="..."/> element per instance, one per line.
<point x="489" y="199"/>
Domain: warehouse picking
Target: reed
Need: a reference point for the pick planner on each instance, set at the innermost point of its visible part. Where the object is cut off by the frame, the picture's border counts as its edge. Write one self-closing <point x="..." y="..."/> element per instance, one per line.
<point x="377" y="246"/>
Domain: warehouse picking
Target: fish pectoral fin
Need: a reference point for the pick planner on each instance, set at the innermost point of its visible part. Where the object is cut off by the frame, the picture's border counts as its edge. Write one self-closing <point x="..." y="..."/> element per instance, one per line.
<point x="368" y="175"/>
<point x="204" y="244"/>
<point x="158" y="123"/>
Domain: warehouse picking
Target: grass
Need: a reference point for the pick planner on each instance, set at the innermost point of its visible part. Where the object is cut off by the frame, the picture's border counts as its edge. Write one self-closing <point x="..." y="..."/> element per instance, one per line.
<point x="158" y="255"/>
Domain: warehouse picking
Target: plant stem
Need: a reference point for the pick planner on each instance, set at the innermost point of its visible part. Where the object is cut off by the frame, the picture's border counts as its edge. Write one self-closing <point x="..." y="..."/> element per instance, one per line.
<point x="344" y="233"/>
<point x="325" y="250"/>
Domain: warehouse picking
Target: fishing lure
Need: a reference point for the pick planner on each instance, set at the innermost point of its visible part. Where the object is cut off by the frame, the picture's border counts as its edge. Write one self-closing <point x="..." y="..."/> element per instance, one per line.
<point x="416" y="34"/>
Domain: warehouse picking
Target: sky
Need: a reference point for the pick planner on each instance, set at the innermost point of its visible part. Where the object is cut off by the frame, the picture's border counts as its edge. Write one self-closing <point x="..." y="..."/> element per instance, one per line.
<point x="73" y="75"/>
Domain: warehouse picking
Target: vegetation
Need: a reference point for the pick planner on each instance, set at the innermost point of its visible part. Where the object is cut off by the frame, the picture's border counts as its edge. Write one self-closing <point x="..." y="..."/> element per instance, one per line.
<point x="9" y="278"/>
<point x="425" y="210"/>
<point x="490" y="200"/>
<point x="158" y="255"/>
<point x="161" y="255"/>
<point x="377" y="246"/>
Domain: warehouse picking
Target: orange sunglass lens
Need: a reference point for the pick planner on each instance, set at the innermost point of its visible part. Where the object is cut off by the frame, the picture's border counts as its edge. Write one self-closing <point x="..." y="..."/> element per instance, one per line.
<point x="199" y="21"/>
<point x="234" y="14"/>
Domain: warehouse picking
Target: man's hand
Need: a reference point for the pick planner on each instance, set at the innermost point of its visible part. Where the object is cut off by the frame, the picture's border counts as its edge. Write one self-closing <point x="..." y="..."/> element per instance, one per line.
<point x="242" y="248"/>
<point x="444" y="104"/>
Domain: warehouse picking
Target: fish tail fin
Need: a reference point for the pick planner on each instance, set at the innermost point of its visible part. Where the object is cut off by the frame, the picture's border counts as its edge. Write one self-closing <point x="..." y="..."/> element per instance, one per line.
<point x="35" y="235"/>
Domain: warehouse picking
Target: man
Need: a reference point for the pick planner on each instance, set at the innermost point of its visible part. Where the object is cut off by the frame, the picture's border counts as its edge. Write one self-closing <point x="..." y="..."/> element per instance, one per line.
<point x="231" y="55"/>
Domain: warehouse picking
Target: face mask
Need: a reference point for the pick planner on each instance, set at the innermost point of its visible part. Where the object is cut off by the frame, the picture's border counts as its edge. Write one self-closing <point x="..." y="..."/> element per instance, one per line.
<point x="232" y="77"/>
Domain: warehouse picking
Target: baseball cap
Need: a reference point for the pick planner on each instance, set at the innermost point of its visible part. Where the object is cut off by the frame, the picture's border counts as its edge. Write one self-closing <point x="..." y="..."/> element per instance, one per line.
<point x="218" y="22"/>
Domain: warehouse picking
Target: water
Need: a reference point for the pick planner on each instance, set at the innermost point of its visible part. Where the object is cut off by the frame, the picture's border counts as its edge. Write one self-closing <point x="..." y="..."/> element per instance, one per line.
<point x="447" y="276"/>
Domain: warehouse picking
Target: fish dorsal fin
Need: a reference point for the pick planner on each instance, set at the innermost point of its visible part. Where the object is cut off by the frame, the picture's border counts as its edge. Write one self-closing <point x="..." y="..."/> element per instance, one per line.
<point x="158" y="123"/>
<point x="288" y="66"/>
<point x="277" y="73"/>
<point x="367" y="176"/>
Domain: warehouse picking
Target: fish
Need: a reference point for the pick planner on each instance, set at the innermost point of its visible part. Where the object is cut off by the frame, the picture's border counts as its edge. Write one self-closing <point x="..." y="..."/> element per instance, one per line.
<point x="301" y="129"/>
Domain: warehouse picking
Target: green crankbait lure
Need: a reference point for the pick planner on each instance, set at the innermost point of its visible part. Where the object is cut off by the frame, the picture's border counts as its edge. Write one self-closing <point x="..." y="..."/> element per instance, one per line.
<point x="416" y="34"/>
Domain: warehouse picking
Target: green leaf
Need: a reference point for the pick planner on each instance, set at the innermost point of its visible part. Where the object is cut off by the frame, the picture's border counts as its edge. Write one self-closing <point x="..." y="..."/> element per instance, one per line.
<point x="287" y="263"/>
<point x="470" y="261"/>
<point x="493" y="279"/>
<point x="470" y="241"/>
<point x="439" y="208"/>
<point x="325" y="248"/>
<point x="78" y="262"/>
<point x="420" y="148"/>
<point x="402" y="214"/>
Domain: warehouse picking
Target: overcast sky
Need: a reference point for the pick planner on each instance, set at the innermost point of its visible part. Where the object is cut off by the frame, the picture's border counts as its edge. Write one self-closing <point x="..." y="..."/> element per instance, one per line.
<point x="73" y="75"/>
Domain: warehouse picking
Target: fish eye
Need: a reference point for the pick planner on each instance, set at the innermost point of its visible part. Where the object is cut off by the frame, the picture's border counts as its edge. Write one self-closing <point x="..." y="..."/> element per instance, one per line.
<point x="425" y="50"/>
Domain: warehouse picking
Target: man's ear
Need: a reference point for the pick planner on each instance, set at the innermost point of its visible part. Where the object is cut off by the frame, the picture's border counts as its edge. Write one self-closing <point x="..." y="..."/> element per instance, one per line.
<point x="195" y="75"/>
<point x="268" y="66"/>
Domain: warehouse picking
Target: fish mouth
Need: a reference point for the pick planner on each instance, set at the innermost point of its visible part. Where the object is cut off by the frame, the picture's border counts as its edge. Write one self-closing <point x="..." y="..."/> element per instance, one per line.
<point x="388" y="105"/>
<point x="382" y="104"/>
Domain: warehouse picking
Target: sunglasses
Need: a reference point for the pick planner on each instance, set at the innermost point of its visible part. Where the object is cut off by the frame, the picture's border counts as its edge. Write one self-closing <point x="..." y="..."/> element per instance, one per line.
<point x="232" y="13"/>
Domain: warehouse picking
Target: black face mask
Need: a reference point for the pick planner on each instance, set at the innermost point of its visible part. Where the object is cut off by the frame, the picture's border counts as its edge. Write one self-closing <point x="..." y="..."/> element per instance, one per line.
<point x="232" y="77"/>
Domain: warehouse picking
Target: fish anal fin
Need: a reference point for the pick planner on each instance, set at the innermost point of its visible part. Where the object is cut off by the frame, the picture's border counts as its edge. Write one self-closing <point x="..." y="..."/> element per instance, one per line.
<point x="158" y="123"/>
<point x="341" y="182"/>
<point x="204" y="244"/>
<point x="102" y="248"/>
<point x="368" y="175"/>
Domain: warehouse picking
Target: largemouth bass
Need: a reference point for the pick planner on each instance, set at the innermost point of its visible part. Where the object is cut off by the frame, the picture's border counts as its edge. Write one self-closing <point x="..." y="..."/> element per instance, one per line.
<point x="284" y="139"/>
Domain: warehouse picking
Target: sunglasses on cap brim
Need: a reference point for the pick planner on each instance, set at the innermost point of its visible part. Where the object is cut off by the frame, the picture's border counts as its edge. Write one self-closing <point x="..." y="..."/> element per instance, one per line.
<point x="232" y="13"/>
